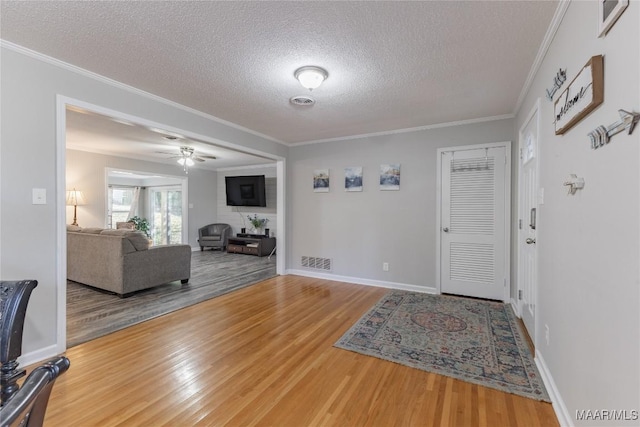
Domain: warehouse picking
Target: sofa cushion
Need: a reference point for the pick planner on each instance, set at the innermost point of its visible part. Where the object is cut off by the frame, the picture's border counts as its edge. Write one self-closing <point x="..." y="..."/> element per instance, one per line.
<point x="91" y="230"/>
<point x="137" y="238"/>
<point x="212" y="237"/>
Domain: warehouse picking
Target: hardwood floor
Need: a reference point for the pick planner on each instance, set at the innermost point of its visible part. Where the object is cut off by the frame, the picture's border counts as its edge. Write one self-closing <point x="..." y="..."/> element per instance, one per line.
<point x="263" y="356"/>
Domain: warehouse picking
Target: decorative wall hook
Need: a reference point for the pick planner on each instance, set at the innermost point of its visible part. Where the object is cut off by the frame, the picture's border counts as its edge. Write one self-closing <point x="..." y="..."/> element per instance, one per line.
<point x="601" y="135"/>
<point x="574" y="183"/>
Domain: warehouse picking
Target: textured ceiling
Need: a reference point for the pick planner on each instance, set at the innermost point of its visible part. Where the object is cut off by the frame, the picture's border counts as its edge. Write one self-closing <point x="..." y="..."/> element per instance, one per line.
<point x="392" y="65"/>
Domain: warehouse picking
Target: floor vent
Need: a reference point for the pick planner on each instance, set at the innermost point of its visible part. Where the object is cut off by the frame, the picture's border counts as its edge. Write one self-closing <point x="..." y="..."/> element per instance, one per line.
<point x="316" y="263"/>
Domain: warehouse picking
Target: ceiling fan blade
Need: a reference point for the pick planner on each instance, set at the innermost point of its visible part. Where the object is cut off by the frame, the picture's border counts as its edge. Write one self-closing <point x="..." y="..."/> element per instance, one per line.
<point x="208" y="157"/>
<point x="197" y="159"/>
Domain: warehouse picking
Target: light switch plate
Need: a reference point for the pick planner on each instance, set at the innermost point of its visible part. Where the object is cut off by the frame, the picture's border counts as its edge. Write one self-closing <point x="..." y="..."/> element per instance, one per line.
<point x="39" y="196"/>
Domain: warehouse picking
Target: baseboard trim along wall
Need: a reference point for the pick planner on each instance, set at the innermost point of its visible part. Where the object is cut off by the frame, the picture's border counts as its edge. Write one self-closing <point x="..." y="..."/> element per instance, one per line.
<point x="367" y="282"/>
<point x="558" y="404"/>
<point x="38" y="356"/>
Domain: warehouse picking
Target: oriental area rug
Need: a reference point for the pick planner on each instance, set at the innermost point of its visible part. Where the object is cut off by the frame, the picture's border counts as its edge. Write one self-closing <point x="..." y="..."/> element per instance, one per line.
<point x="472" y="340"/>
<point x="92" y="313"/>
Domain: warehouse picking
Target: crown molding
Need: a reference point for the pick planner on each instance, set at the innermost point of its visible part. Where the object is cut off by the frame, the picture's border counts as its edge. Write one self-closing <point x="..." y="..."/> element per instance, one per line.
<point x="561" y="10"/>
<point x="407" y="130"/>
<point x="90" y="74"/>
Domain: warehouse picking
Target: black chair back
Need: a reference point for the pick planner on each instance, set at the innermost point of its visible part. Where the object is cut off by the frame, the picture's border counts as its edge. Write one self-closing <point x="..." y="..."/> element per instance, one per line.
<point x="28" y="406"/>
<point x="14" y="297"/>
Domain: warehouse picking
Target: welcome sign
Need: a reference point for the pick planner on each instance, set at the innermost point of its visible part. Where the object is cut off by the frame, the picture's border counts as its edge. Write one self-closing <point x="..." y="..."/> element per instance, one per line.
<point x="583" y="94"/>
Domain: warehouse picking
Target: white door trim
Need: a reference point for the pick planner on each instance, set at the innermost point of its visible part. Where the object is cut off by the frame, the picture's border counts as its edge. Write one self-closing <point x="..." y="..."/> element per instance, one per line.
<point x="507" y="213"/>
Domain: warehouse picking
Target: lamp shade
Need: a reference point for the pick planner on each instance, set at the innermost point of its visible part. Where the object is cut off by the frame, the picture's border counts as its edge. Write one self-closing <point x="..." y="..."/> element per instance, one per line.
<point x="75" y="198"/>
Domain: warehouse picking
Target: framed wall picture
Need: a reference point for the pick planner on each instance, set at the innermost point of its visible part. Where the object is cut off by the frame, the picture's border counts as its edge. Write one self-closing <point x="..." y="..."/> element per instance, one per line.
<point x="390" y="176"/>
<point x="583" y="95"/>
<point x="353" y="178"/>
<point x="608" y="13"/>
<point x="321" y="181"/>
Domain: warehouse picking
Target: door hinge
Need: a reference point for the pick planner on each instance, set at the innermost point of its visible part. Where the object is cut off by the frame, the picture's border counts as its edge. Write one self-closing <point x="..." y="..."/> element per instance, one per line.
<point x="521" y="154"/>
<point x="520" y="224"/>
<point x="520" y="294"/>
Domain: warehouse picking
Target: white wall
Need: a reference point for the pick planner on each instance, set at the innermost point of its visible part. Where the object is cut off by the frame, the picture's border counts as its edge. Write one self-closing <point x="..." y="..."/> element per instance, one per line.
<point x="86" y="171"/>
<point x="236" y="216"/>
<point x="361" y="230"/>
<point x="30" y="242"/>
<point x="588" y="243"/>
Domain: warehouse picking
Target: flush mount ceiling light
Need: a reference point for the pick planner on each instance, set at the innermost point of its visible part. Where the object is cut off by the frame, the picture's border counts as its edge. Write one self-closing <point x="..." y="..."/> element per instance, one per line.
<point x="311" y="76"/>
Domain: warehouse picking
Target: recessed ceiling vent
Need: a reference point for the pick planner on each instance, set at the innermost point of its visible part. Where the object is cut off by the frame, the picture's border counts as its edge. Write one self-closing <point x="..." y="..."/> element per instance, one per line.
<point x="302" y="100"/>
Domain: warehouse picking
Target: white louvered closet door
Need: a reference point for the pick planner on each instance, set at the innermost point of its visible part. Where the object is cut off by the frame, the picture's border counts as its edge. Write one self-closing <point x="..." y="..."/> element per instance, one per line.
<point x="472" y="252"/>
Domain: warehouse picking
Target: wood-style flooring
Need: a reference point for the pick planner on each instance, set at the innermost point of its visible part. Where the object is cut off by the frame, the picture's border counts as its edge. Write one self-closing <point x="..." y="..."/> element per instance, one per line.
<point x="264" y="356"/>
<point x="92" y="313"/>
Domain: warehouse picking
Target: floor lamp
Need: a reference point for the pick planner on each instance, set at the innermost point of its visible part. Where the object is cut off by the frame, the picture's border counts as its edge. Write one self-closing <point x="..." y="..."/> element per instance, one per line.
<point x="75" y="198"/>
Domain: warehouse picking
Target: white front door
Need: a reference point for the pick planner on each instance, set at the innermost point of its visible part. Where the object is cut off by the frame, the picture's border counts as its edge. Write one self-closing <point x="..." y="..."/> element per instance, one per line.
<point x="474" y="221"/>
<point x="527" y="222"/>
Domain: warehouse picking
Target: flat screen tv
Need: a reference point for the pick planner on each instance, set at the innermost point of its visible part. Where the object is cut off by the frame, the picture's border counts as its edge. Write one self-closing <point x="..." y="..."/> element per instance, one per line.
<point x="245" y="190"/>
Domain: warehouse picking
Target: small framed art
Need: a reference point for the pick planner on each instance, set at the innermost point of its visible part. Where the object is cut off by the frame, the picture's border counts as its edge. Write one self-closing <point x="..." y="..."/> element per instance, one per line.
<point x="321" y="181"/>
<point x="390" y="176"/>
<point x="608" y="13"/>
<point x="353" y="178"/>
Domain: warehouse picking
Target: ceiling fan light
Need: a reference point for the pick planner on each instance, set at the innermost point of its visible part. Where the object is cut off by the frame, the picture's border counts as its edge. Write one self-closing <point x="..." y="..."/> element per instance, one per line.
<point x="187" y="160"/>
<point x="311" y="77"/>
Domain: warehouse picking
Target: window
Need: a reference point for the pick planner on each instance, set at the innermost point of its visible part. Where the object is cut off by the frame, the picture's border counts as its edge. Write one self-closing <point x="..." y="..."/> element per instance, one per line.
<point x="119" y="204"/>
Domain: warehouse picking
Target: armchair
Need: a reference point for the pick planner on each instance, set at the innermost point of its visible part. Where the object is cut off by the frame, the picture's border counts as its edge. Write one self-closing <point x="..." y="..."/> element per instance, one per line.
<point x="214" y="236"/>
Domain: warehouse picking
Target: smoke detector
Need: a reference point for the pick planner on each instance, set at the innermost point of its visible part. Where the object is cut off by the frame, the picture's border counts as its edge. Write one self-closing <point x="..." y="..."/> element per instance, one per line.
<point x="302" y="100"/>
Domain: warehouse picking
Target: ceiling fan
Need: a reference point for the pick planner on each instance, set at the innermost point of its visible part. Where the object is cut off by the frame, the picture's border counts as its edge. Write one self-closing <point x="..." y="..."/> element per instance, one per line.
<point x="187" y="157"/>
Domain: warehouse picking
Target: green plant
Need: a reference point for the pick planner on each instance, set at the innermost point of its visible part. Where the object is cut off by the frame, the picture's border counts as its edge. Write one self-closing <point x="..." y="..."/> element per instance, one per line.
<point x="257" y="222"/>
<point x="141" y="224"/>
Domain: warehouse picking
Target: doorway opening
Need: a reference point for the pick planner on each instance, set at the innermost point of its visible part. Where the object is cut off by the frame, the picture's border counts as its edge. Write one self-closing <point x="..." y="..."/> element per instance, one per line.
<point x="94" y="214"/>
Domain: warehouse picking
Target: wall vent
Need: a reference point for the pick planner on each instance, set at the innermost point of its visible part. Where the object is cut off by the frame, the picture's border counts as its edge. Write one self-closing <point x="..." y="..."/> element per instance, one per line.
<point x="316" y="263"/>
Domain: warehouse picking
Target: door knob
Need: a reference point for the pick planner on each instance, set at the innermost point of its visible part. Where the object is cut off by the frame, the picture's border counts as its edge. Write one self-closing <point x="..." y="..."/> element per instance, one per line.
<point x="530" y="241"/>
<point x="446" y="229"/>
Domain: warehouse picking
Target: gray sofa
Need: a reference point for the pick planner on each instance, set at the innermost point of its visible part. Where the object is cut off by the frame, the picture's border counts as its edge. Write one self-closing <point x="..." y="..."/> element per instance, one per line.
<point x="121" y="261"/>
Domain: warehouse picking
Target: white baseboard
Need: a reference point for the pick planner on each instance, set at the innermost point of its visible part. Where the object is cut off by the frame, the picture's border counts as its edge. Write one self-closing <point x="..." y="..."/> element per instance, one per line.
<point x="38" y="355"/>
<point x="367" y="282"/>
<point x="559" y="407"/>
<point x="514" y="306"/>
